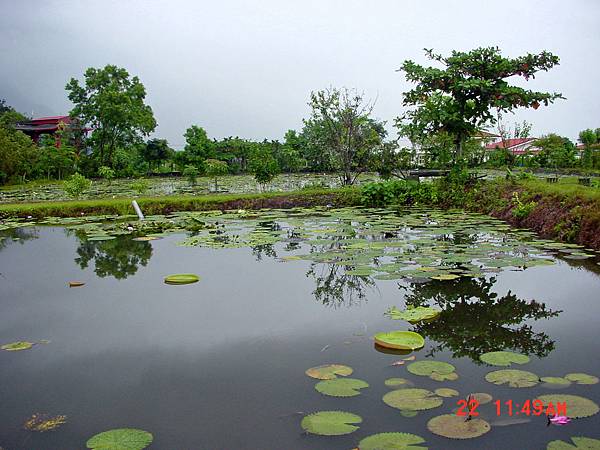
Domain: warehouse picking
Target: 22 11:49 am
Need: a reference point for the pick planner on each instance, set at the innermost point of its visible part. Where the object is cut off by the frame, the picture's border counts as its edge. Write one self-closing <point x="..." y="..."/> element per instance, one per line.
<point x="527" y="408"/>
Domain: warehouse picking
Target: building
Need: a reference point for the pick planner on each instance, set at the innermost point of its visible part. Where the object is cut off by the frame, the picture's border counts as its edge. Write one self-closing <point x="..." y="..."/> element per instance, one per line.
<point x="517" y="146"/>
<point x="34" y="128"/>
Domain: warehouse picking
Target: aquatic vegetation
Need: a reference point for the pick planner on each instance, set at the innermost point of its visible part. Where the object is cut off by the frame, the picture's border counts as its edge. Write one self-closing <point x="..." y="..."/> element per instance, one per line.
<point x="579" y="443"/>
<point x="120" y="439"/>
<point x="392" y="441"/>
<point x="413" y="314"/>
<point x="436" y="370"/>
<point x="577" y="407"/>
<point x="17" y="346"/>
<point x="481" y="397"/>
<point x="397" y="382"/>
<point x="446" y="392"/>
<point x="341" y="387"/>
<point x="581" y="378"/>
<point x="182" y="278"/>
<point x="504" y="358"/>
<point x="412" y="399"/>
<point x="514" y="378"/>
<point x="330" y="423"/>
<point x="44" y="422"/>
<point x="456" y="427"/>
<point x="402" y="340"/>
<point x="329" y="371"/>
<point x="556" y="380"/>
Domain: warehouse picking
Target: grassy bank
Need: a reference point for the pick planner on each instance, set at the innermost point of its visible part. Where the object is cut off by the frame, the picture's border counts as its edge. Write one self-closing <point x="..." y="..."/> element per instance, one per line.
<point x="167" y="204"/>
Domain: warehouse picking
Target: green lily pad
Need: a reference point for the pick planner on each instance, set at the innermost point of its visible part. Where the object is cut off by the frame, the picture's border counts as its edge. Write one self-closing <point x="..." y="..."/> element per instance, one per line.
<point x="402" y="340"/>
<point x="396" y="382"/>
<point x="341" y="387"/>
<point x="514" y="378"/>
<point x="456" y="427"/>
<point x="577" y="406"/>
<point x="579" y="443"/>
<point x="413" y="315"/>
<point x="408" y="413"/>
<point x="120" y="439"/>
<point x="482" y="397"/>
<point x="17" y="346"/>
<point x="556" y="380"/>
<point x="446" y="392"/>
<point x="445" y="277"/>
<point x="330" y="423"/>
<point x="503" y="358"/>
<point x="436" y="370"/>
<point x="412" y="399"/>
<point x="581" y="378"/>
<point x="392" y="441"/>
<point x="329" y="371"/>
<point x="182" y="278"/>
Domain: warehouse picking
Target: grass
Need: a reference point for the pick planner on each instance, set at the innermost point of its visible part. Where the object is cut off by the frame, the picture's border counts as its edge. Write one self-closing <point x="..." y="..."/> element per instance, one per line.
<point x="564" y="187"/>
<point x="167" y="204"/>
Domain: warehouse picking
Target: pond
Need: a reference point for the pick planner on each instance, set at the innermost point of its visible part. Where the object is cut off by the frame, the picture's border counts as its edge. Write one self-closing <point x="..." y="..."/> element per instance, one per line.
<point x="220" y="363"/>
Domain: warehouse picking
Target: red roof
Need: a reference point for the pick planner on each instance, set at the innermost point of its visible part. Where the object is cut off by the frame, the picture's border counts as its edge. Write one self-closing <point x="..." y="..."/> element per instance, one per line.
<point x="509" y="143"/>
<point x="55" y="120"/>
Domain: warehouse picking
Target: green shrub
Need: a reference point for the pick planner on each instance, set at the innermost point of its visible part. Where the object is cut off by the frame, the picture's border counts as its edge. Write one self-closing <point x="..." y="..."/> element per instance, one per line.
<point x="140" y="186"/>
<point x="521" y="210"/>
<point x="76" y="185"/>
<point x="106" y="172"/>
<point x="398" y="192"/>
<point x="191" y="173"/>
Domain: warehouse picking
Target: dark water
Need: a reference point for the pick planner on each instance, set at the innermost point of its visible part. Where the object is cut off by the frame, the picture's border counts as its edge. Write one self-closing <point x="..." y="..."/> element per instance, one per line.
<point x="220" y="364"/>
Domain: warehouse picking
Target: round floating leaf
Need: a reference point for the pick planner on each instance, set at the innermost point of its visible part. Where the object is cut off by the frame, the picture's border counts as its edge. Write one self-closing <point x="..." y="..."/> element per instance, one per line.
<point x="482" y="397"/>
<point x="446" y="392"/>
<point x="514" y="378"/>
<point x="408" y="413"/>
<point x="556" y="380"/>
<point x="581" y="378"/>
<point x="503" y="358"/>
<point x="577" y="406"/>
<point x="330" y="423"/>
<point x="16" y="346"/>
<point x="182" y="278"/>
<point x="341" y="387"/>
<point x="412" y="399"/>
<point x="444" y="376"/>
<point x="391" y="441"/>
<point x="456" y="427"/>
<point x="427" y="368"/>
<point x="120" y="439"/>
<point x="402" y="340"/>
<point x="445" y="277"/>
<point x="329" y="371"/>
<point x="413" y="315"/>
<point x="396" y="382"/>
<point x="579" y="443"/>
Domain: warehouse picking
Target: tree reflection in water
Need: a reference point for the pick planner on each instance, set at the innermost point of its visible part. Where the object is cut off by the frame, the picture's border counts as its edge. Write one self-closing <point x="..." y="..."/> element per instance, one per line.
<point x="336" y="288"/>
<point x="475" y="320"/>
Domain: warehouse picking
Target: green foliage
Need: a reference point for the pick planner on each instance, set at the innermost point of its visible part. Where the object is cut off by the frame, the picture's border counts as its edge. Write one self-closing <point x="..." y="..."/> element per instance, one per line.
<point x="215" y="169"/>
<point x="579" y="443"/>
<point x="120" y="439"/>
<point x="182" y="278"/>
<point x="198" y="148"/>
<point x="460" y="98"/>
<point x="140" y="186"/>
<point x="398" y="192"/>
<point x="522" y="210"/>
<point x="503" y="358"/>
<point x="263" y="165"/>
<point x="17" y="346"/>
<point x="514" y="378"/>
<point x="577" y="407"/>
<point x="392" y="441"/>
<point x="341" y="387"/>
<point x="329" y="371"/>
<point x="413" y="314"/>
<point x="18" y="155"/>
<point x="112" y="104"/>
<point x="556" y="151"/>
<point x="191" y="172"/>
<point x="403" y="340"/>
<point x="330" y="423"/>
<point x="155" y="152"/>
<point x="427" y="368"/>
<point x="106" y="172"/>
<point x="76" y="185"/>
<point x="453" y="426"/>
<point x="412" y="399"/>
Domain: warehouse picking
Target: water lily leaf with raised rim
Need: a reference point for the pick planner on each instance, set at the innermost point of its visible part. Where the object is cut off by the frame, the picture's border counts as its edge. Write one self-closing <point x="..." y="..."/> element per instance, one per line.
<point x="579" y="443"/>
<point x="341" y="387"/>
<point x="392" y="441"/>
<point x="402" y="340"/>
<point x="436" y="370"/>
<point x="120" y="439"/>
<point x="503" y="358"/>
<point x="514" y="378"/>
<point x="412" y="399"/>
<point x="329" y="371"/>
<point x="456" y="427"/>
<point x="577" y="407"/>
<point x="413" y="315"/>
<point x="330" y="423"/>
<point x="581" y="378"/>
<point x="182" y="278"/>
<point x="17" y="346"/>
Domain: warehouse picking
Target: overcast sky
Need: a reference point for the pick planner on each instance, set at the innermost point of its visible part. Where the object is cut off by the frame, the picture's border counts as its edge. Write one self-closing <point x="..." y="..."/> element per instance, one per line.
<point x="237" y="67"/>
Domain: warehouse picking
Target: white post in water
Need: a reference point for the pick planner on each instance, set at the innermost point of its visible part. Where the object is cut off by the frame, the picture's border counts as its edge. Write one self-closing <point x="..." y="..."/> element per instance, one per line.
<point x="138" y="211"/>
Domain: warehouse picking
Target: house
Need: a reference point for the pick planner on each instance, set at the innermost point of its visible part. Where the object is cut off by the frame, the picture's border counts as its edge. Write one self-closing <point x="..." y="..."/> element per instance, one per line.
<point x="34" y="128"/>
<point x="517" y="146"/>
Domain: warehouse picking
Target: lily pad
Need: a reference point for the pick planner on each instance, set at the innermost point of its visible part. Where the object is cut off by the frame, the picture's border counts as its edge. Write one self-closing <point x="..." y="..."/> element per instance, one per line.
<point x="436" y="370"/>
<point x="17" y="346"/>
<point x="412" y="399"/>
<point x="329" y="371"/>
<point x="577" y="406"/>
<point x="330" y="423"/>
<point x="120" y="439"/>
<point x="503" y="358"/>
<point x="413" y="315"/>
<point x="445" y="277"/>
<point x="341" y="387"/>
<point x="581" y="378"/>
<point x="482" y="397"/>
<point x="402" y="340"/>
<point x="579" y="443"/>
<point x="392" y="441"/>
<point x="446" y="392"/>
<point x="514" y="378"/>
<point x="444" y="376"/>
<point x="556" y="380"/>
<point x="396" y="382"/>
<point x="182" y="278"/>
<point x="456" y="427"/>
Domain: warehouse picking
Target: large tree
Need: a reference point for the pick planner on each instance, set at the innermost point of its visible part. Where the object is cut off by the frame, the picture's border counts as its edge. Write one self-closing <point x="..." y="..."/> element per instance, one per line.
<point x="112" y="104"/>
<point x="198" y="148"/>
<point x="349" y="134"/>
<point x="155" y="152"/>
<point x="465" y="95"/>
